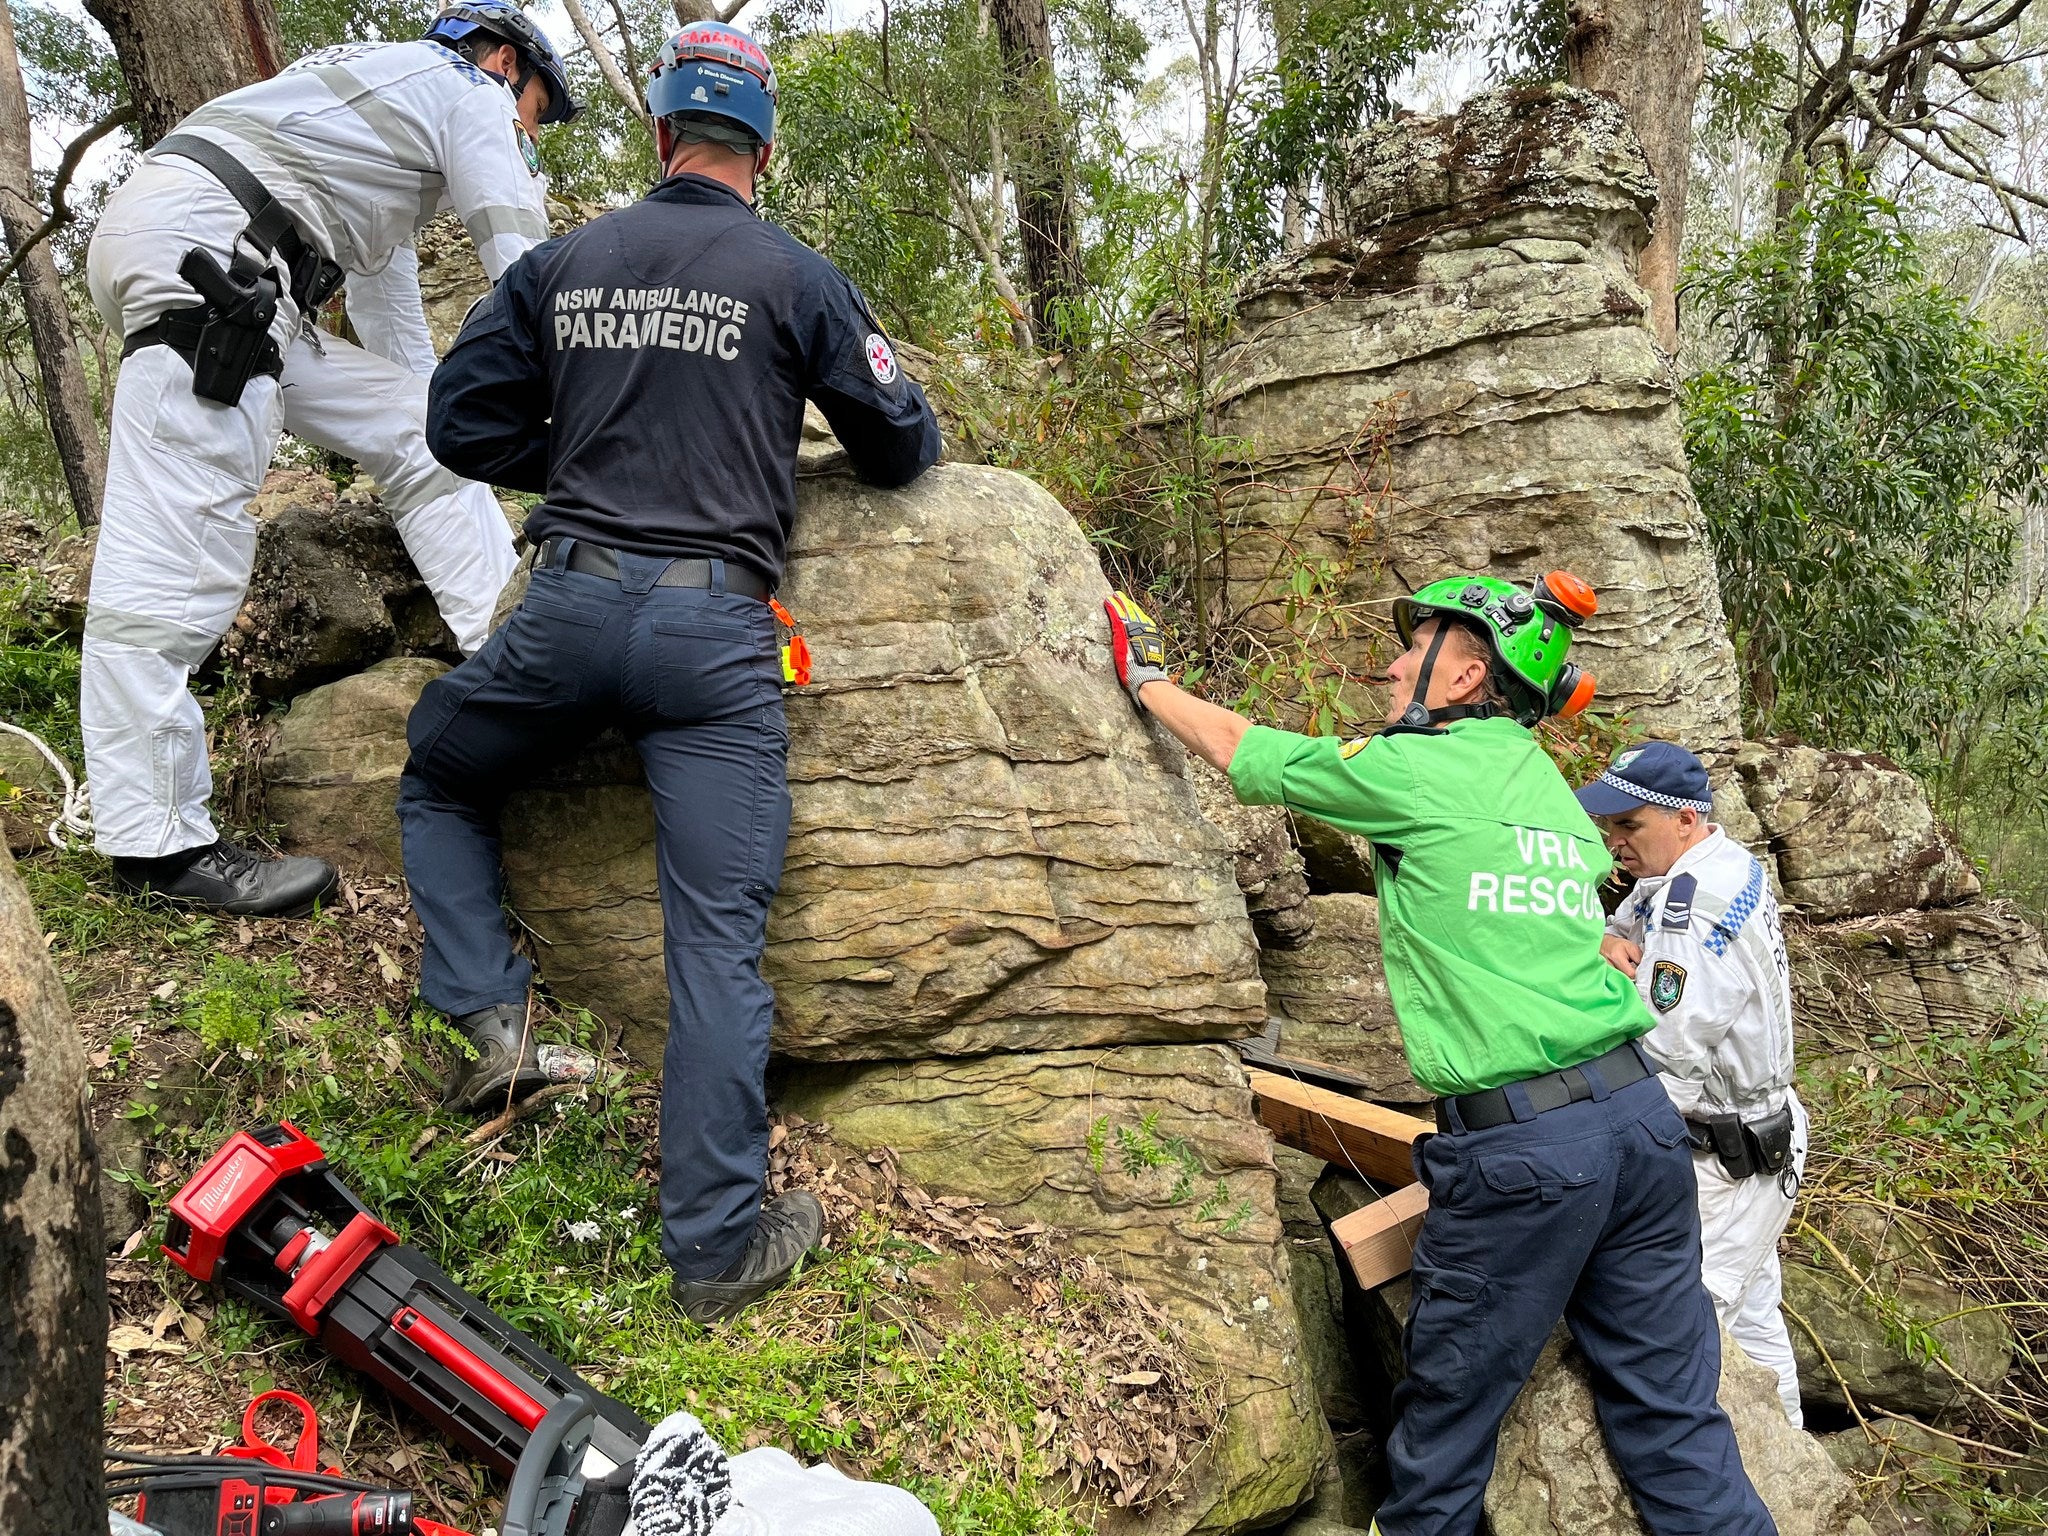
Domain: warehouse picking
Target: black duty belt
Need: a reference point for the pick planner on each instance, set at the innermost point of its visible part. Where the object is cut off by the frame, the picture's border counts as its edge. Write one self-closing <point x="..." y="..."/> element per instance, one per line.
<point x="587" y="559"/>
<point x="1553" y="1090"/>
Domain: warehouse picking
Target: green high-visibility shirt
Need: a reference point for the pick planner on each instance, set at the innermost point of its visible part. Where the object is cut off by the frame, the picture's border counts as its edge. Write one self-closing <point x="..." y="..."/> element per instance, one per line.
<point x="1488" y="874"/>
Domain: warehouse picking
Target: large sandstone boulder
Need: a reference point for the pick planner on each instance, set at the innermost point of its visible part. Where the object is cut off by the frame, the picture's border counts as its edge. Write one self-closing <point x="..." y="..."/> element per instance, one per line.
<point x="1853" y="832"/>
<point x="1330" y="997"/>
<point x="1864" y="1329"/>
<point x="990" y="851"/>
<point x="1956" y="973"/>
<point x="1555" y="1478"/>
<point x="331" y="773"/>
<point x="1467" y="381"/>
<point x="1149" y="1158"/>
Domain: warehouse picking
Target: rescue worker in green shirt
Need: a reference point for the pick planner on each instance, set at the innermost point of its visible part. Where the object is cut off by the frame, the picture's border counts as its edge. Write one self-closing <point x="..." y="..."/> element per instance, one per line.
<point x="1560" y="1180"/>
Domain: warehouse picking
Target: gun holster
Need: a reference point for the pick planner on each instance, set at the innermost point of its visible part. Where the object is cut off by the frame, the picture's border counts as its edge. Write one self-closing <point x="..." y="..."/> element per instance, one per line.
<point x="232" y="344"/>
<point x="1746" y="1148"/>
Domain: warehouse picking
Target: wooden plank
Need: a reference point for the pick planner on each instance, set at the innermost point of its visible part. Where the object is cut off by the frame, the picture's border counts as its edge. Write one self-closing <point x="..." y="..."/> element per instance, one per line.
<point x="1341" y="1130"/>
<point x="1379" y="1239"/>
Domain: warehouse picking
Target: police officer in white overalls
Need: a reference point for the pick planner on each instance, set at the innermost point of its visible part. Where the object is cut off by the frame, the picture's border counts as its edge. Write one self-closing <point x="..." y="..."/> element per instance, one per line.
<point x="210" y="261"/>
<point x="1701" y="935"/>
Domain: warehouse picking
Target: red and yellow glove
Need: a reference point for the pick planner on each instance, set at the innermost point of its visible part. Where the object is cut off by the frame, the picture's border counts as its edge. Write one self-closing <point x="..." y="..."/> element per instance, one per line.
<point x="1135" y="645"/>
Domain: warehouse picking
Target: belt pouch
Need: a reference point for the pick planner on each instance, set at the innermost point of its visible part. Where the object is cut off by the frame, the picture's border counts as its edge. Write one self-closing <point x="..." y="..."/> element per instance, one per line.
<point x="1770" y="1140"/>
<point x="234" y="332"/>
<point x="1723" y="1136"/>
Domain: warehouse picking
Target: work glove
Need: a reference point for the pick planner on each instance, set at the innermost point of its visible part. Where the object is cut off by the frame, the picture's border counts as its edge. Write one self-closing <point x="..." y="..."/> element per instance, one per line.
<point x="1135" y="645"/>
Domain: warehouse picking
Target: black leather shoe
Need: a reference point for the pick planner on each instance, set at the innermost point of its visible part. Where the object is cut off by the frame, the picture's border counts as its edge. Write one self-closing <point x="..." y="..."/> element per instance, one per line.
<point x="229" y="878"/>
<point x="790" y="1227"/>
<point x="502" y="1073"/>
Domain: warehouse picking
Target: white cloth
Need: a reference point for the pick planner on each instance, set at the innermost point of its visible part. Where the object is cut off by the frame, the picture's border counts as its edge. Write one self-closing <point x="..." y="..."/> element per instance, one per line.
<point x="363" y="143"/>
<point x="774" y="1494"/>
<point x="1715" y="976"/>
<point x="684" y="1485"/>
<point x="176" y="541"/>
<point x="385" y="309"/>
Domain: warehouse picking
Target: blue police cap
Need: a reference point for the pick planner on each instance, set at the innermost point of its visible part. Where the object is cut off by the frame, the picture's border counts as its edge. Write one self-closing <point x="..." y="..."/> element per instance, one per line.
<point x="1656" y="773"/>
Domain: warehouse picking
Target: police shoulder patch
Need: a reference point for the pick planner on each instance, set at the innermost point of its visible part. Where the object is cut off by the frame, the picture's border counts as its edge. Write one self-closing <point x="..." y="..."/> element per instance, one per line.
<point x="1667" y="985"/>
<point x="528" y="150"/>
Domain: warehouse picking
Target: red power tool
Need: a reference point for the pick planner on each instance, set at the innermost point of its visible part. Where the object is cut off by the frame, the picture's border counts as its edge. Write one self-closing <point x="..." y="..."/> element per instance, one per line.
<point x="268" y="1219"/>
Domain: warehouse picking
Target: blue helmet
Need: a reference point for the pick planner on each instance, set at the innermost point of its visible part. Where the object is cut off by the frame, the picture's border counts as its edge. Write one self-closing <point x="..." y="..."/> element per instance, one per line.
<point x="507" y="23"/>
<point x="710" y="69"/>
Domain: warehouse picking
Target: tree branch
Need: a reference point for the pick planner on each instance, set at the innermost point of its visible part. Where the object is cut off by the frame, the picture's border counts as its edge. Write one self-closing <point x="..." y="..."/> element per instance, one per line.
<point x="60" y="212"/>
<point x="608" y="66"/>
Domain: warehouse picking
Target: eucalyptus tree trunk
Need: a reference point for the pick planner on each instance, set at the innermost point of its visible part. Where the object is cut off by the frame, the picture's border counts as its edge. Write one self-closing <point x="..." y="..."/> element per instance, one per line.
<point x="1041" y="166"/>
<point x="53" y="1283"/>
<point x="66" y="401"/>
<point x="1650" y="55"/>
<point x="177" y="55"/>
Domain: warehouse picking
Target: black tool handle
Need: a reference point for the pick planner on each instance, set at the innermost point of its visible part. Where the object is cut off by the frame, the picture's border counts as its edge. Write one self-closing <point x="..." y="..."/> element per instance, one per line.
<point x="536" y="1462"/>
<point x="345" y="1514"/>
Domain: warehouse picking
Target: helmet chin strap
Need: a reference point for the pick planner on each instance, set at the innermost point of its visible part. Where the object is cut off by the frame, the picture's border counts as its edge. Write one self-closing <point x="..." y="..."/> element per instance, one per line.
<point x="1418" y="716"/>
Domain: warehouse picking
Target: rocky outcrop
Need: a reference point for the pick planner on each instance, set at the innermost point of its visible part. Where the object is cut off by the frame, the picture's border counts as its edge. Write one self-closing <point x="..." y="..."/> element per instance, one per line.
<point x="1959" y="972"/>
<point x="1554" y="1477"/>
<point x="1269" y="870"/>
<point x="1853" y="833"/>
<point x="1870" y="1353"/>
<point x="332" y="590"/>
<point x="989" y="851"/>
<point x="1330" y="996"/>
<point x="331" y="773"/>
<point x="1467" y="382"/>
<point x="1149" y="1157"/>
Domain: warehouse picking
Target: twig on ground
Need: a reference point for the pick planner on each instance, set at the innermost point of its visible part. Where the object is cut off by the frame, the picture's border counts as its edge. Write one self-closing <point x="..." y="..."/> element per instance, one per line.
<point x="500" y="1124"/>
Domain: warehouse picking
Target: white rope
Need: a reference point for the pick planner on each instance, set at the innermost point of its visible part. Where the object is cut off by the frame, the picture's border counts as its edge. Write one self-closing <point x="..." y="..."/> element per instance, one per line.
<point x="74" y="817"/>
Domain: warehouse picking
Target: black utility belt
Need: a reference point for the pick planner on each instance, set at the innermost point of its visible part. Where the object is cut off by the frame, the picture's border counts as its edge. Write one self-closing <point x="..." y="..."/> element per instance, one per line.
<point x="1484" y="1110"/>
<point x="587" y="559"/>
<point x="1745" y="1148"/>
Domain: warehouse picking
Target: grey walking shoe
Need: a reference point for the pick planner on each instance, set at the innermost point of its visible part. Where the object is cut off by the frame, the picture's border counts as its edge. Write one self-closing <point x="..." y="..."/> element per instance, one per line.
<point x="789" y="1228"/>
<point x="500" y="1064"/>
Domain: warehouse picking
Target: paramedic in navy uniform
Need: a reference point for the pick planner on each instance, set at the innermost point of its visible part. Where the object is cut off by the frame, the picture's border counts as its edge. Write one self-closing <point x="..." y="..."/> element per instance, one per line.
<point x="647" y="373"/>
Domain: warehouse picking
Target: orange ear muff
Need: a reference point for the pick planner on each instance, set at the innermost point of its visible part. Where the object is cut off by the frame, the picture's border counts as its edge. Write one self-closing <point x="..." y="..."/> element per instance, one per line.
<point x="1580" y="696"/>
<point x="1571" y="593"/>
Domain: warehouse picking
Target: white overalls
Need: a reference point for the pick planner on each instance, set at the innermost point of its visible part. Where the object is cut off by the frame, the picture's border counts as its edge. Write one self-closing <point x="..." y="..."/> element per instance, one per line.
<point x="1715" y="977"/>
<point x="362" y="144"/>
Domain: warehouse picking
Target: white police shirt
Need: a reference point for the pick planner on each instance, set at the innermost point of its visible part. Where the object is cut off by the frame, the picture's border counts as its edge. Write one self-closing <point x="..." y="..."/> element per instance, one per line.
<point x="1715" y="976"/>
<point x="365" y="142"/>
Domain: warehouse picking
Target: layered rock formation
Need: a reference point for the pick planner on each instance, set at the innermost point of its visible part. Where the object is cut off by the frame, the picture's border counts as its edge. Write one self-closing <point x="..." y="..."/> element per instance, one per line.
<point x="1150" y="1157"/>
<point x="1470" y="371"/>
<point x="993" y="860"/>
<point x="987" y="851"/>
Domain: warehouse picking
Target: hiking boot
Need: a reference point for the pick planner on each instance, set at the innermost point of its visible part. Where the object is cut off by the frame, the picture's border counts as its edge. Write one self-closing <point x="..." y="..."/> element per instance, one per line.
<point x="789" y="1227"/>
<point x="502" y="1073"/>
<point x="229" y="878"/>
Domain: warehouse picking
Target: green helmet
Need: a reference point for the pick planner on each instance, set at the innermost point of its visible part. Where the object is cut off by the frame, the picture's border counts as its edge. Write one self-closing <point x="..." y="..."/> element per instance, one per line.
<point x="1528" y="632"/>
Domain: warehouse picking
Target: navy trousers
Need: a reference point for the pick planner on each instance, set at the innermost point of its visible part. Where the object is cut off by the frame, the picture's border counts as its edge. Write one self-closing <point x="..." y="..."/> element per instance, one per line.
<point x="692" y="677"/>
<point x="1587" y="1213"/>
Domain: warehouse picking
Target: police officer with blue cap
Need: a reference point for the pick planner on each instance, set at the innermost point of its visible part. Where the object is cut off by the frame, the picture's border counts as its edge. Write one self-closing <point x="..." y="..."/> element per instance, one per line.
<point x="1699" y="932"/>
<point x="647" y="374"/>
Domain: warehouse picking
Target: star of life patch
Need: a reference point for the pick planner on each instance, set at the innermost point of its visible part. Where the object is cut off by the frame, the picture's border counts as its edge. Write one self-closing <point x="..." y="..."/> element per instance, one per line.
<point x="1667" y="985"/>
<point x="881" y="361"/>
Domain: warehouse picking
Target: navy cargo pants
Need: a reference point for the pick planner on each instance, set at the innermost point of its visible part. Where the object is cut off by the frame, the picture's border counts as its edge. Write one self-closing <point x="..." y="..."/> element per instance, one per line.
<point x="1587" y="1213"/>
<point x="692" y="677"/>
